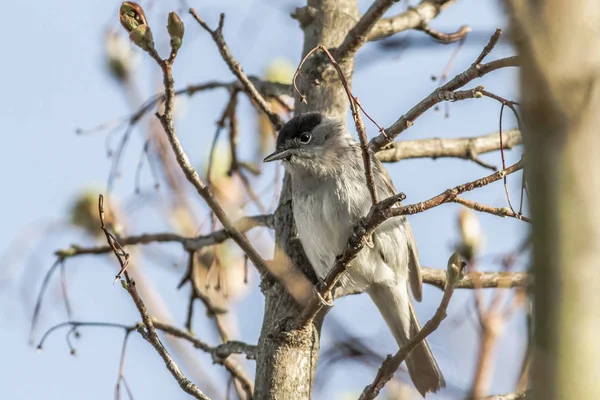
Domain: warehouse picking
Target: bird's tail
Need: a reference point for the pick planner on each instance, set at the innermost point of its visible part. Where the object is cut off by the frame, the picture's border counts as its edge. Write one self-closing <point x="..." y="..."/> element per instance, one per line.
<point x="396" y="307"/>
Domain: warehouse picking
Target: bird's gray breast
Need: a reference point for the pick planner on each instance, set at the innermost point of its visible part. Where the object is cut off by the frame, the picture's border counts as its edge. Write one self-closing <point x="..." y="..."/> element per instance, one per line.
<point x="325" y="211"/>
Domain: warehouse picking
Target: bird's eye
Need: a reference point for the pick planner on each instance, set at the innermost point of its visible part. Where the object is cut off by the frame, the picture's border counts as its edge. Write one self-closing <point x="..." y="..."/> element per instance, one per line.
<point x="305" y="137"/>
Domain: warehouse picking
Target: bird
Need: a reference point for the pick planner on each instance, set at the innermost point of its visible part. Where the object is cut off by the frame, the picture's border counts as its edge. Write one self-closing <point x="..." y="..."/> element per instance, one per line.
<point x="329" y="196"/>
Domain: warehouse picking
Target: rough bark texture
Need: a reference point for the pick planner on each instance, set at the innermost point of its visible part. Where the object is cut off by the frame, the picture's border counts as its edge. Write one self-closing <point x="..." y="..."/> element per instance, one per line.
<point x="560" y="45"/>
<point x="287" y="358"/>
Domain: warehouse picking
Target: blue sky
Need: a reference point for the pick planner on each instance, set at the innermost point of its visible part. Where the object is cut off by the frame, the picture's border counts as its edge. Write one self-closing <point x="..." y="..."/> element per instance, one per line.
<point x="55" y="80"/>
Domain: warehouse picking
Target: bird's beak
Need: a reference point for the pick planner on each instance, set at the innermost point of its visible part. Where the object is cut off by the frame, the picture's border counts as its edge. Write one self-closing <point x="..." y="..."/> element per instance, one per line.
<point x="278" y="155"/>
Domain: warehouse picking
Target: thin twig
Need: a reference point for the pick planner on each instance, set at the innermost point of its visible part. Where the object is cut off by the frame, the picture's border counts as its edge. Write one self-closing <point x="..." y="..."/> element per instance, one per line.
<point x="148" y="333"/>
<point x="446" y="38"/>
<point x="151" y="337"/>
<point x="236" y="69"/>
<point x="391" y="364"/>
<point x="78" y="324"/>
<point x="358" y="35"/>
<point x="40" y="297"/>
<point x="476" y="70"/>
<point x="220" y="353"/>
<point x="413" y="18"/>
<point x="437" y="277"/>
<point x="501" y="212"/>
<point x="243" y="224"/>
<point x="121" y="377"/>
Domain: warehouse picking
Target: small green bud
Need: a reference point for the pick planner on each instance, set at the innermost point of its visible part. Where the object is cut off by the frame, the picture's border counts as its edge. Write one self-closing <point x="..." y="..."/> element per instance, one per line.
<point x="142" y="37"/>
<point x="131" y="16"/>
<point x="176" y="30"/>
<point x="175" y="25"/>
<point x="478" y="95"/>
<point x="175" y="43"/>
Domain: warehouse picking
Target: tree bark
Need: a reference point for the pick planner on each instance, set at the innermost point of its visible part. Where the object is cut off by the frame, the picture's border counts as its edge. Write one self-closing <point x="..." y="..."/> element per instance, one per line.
<point x="560" y="88"/>
<point x="287" y="357"/>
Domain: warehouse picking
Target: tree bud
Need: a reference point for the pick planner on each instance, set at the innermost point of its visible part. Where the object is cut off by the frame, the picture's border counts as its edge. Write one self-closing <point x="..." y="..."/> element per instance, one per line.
<point x="131" y="16"/>
<point x="142" y="37"/>
<point x="176" y="30"/>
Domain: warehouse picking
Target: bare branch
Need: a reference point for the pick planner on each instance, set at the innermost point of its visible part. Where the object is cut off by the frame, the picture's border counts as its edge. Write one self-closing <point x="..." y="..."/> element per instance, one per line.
<point x="77" y="324"/>
<point x="464" y="148"/>
<point x="235" y="347"/>
<point x="121" y="377"/>
<point x="266" y="88"/>
<point x="148" y="333"/>
<point x="236" y="69"/>
<point x="437" y="277"/>
<point x="220" y="354"/>
<point x="446" y="38"/>
<point x="151" y="337"/>
<point x="40" y="297"/>
<point x="499" y="211"/>
<point x="243" y="224"/>
<point x="509" y="396"/>
<point x="450" y="194"/>
<point x="359" y="33"/>
<point x="412" y="18"/>
<point x="476" y="70"/>
<point x="391" y="364"/>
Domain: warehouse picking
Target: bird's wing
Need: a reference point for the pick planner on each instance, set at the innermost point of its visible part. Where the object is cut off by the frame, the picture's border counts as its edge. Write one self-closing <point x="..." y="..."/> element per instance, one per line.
<point x="385" y="188"/>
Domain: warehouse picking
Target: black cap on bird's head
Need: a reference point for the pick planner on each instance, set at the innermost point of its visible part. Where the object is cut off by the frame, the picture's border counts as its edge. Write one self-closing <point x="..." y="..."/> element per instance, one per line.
<point x="296" y="133"/>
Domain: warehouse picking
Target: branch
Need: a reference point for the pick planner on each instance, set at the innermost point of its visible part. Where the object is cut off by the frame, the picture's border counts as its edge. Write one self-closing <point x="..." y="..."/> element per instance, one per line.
<point x="412" y="18"/>
<point x="148" y="333"/>
<point x="476" y="70"/>
<point x="451" y="194"/>
<point x="391" y="364"/>
<point x="475" y="280"/>
<point x="464" y="148"/>
<point x="151" y="337"/>
<point x="446" y="38"/>
<point x="236" y="347"/>
<point x="77" y="324"/>
<point x="359" y="33"/>
<point x="265" y="88"/>
<point x="243" y="224"/>
<point x="379" y="213"/>
<point x="509" y="396"/>
<point x="220" y="354"/>
<point x="499" y="211"/>
<point x="236" y="69"/>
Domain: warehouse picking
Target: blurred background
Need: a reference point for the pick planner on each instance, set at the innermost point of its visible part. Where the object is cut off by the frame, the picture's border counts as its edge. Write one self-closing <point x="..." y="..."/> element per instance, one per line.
<point x="71" y="80"/>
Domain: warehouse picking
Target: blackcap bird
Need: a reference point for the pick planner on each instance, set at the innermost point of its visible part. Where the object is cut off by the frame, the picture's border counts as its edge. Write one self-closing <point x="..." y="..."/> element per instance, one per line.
<point x="329" y="195"/>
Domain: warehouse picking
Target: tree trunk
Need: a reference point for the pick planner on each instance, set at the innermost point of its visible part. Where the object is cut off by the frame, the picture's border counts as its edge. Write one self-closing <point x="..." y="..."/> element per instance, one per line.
<point x="559" y="43"/>
<point x="287" y="357"/>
